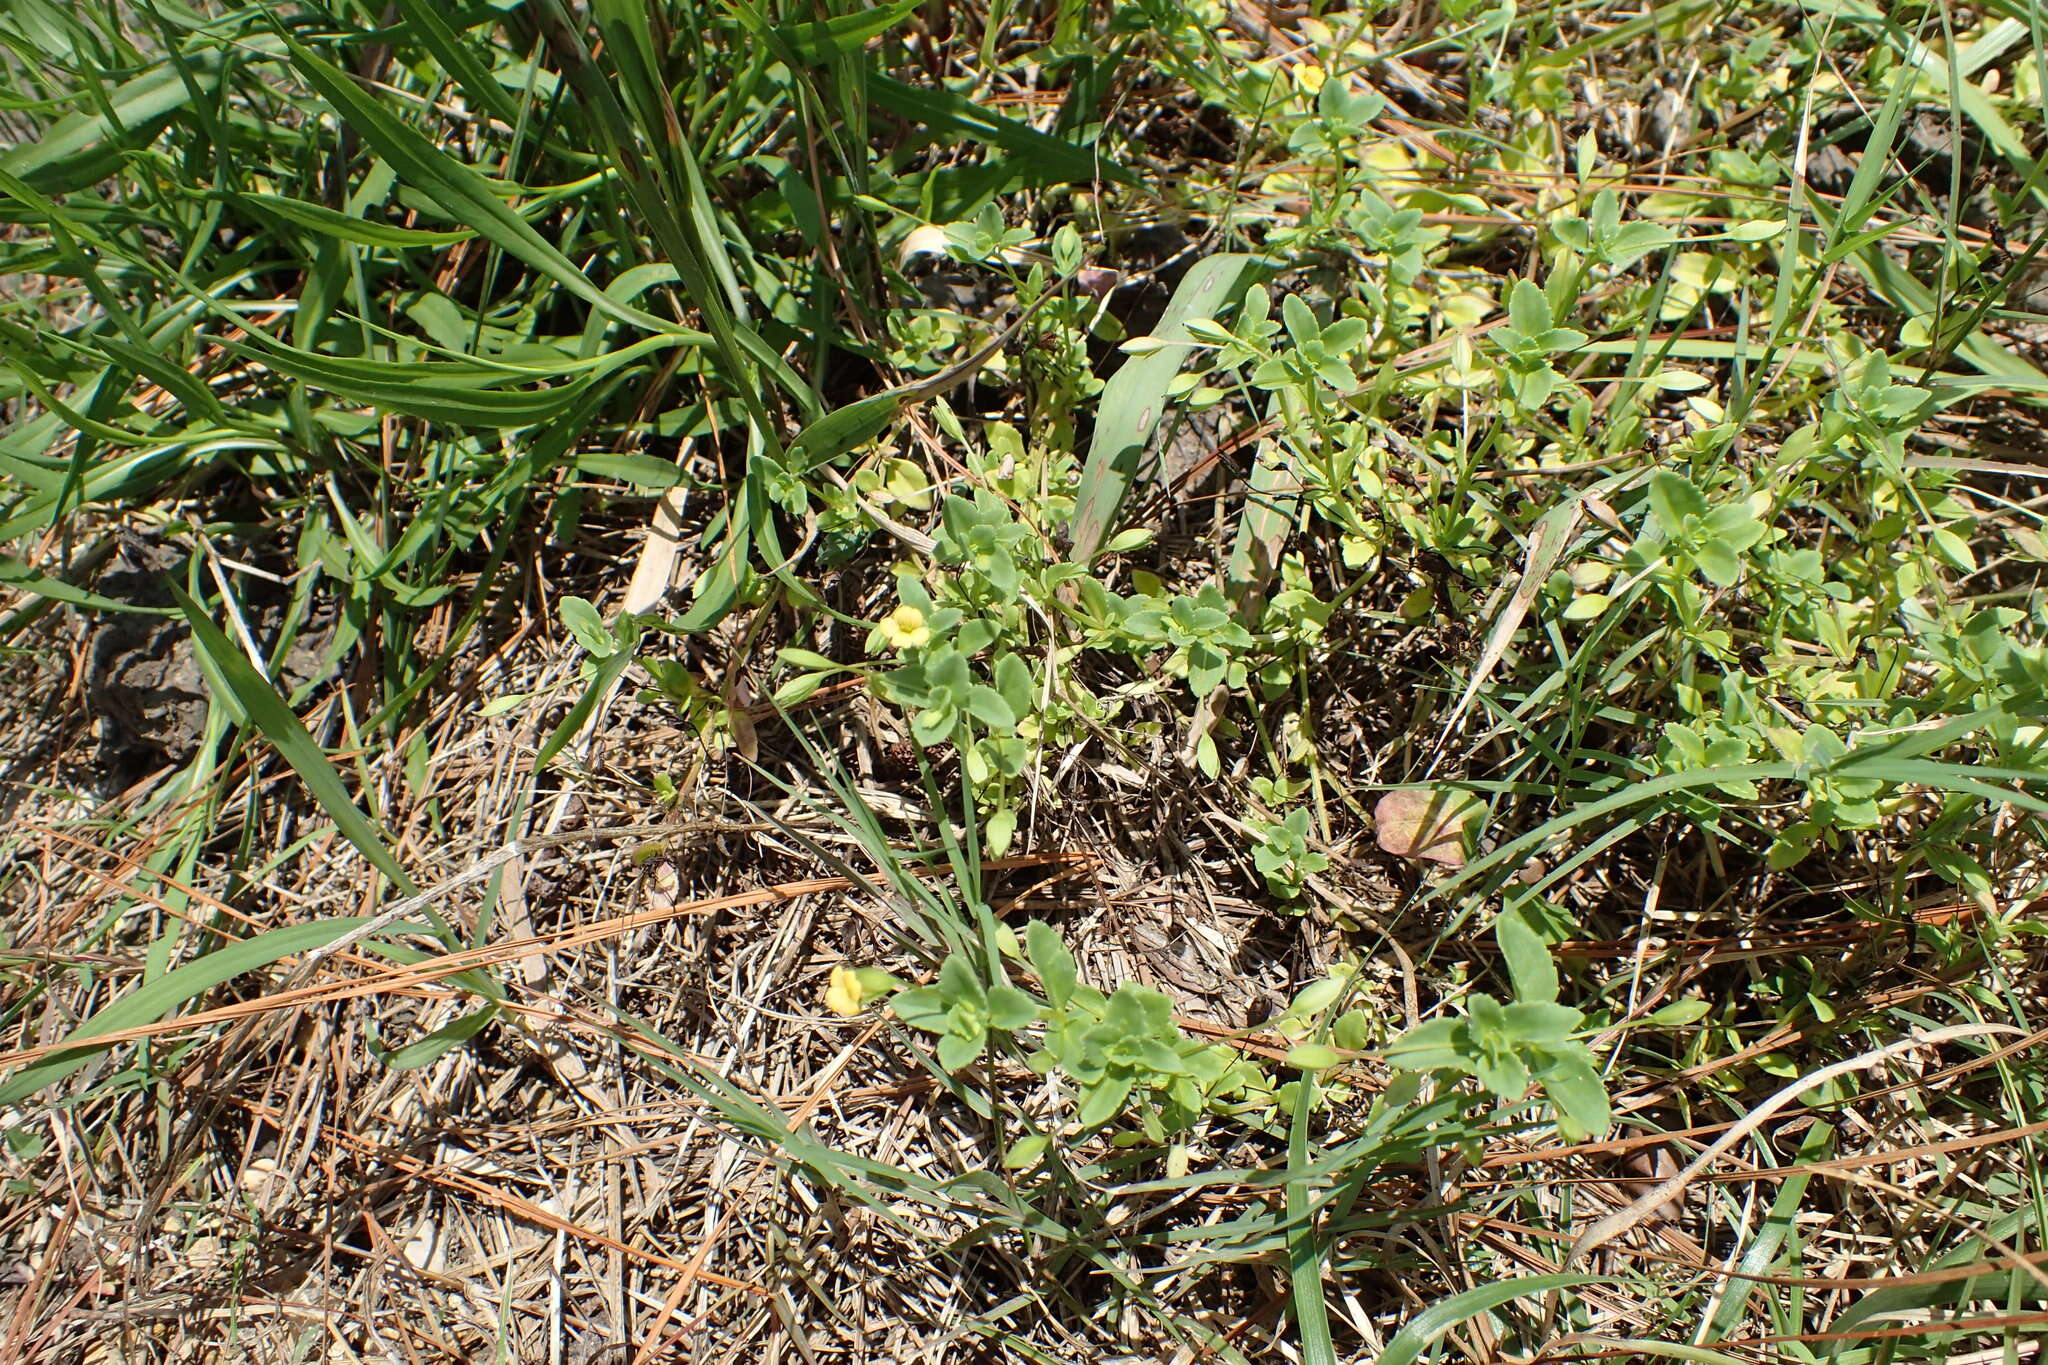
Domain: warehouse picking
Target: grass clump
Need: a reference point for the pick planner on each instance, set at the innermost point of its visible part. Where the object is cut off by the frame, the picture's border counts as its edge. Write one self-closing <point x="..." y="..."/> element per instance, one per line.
<point x="1181" y="682"/>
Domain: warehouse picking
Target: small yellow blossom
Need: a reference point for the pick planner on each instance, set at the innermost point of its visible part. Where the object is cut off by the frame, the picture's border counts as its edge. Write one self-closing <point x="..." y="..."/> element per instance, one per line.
<point x="850" y="988"/>
<point x="843" y="993"/>
<point x="1309" y="77"/>
<point x="904" y="628"/>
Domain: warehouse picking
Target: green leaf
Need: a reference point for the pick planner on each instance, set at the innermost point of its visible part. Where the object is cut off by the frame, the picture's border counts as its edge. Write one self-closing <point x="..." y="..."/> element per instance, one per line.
<point x="1135" y="397"/>
<point x="1502" y="1072"/>
<point x="1013" y="680"/>
<point x="1674" y="499"/>
<point x="1678" y="1013"/>
<point x="1528" y="957"/>
<point x="999" y="830"/>
<point x="587" y="626"/>
<point x="1718" y="563"/>
<point x="1025" y="1151"/>
<point x="1538" y="1021"/>
<point x="1319" y="995"/>
<point x="1104" y="1100"/>
<point x="435" y="1045"/>
<point x="958" y="983"/>
<point x="1054" y="964"/>
<point x="920" y="1007"/>
<point x="1432" y="1322"/>
<point x="642" y="471"/>
<point x="1734" y="525"/>
<point x="1010" y="1008"/>
<point x="1953" y="550"/>
<point x="987" y="705"/>
<point x="159" y="996"/>
<point x="1528" y="309"/>
<point x="846" y="429"/>
<point x="260" y="702"/>
<point x="808" y="658"/>
<point x="958" y="1052"/>
<point x="1756" y="229"/>
<point x="1821" y="748"/>
<point x="934" y="724"/>
<point x="1299" y="321"/>
<point x="1430" y="1046"/>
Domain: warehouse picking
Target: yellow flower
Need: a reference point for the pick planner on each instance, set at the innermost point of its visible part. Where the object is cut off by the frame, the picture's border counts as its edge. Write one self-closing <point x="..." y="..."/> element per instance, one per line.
<point x="843" y="994"/>
<point x="850" y="988"/>
<point x="904" y="628"/>
<point x="1310" y="78"/>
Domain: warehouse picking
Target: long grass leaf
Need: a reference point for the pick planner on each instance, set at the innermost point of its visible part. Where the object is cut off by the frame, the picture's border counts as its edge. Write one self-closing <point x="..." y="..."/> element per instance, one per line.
<point x="1040" y="157"/>
<point x="1135" y="398"/>
<point x="266" y="710"/>
<point x="456" y="57"/>
<point x="1816" y="1145"/>
<point x="131" y="108"/>
<point x="456" y="394"/>
<point x="346" y="227"/>
<point x="1272" y="497"/>
<point x="1425" y="1327"/>
<point x="156" y="998"/>
<point x="458" y="190"/>
<point x="1304" y="1248"/>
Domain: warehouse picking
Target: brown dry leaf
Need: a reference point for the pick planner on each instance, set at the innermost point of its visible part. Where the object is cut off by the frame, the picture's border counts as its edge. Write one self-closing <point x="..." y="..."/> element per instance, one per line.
<point x="1427" y="823"/>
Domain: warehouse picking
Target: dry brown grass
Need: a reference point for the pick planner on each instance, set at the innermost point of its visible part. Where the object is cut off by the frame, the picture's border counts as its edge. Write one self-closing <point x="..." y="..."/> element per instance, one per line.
<point x="556" y="1191"/>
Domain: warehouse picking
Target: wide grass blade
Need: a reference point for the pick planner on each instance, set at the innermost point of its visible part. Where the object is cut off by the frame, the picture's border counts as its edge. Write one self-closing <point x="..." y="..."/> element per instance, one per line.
<point x="156" y="998"/>
<point x="76" y="150"/>
<point x="1036" y="158"/>
<point x="1305" y="1248"/>
<point x="1422" y="1330"/>
<point x="1135" y="398"/>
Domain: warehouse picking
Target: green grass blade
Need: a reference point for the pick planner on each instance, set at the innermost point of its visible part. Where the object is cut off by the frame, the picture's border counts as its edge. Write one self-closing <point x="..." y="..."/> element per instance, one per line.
<point x="17" y="574"/>
<point x="266" y="710"/>
<point x="131" y="108"/>
<point x="608" y="671"/>
<point x="1304" y="1248"/>
<point x="1420" y="1331"/>
<point x="346" y="227"/>
<point x="458" y="190"/>
<point x="458" y="60"/>
<point x="156" y="998"/>
<point x="819" y="40"/>
<point x="1135" y="398"/>
<point x="1039" y="158"/>
<point x="451" y="393"/>
<point x="1629" y="1347"/>
<point x="443" y="1040"/>
<point x="1817" y="1144"/>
